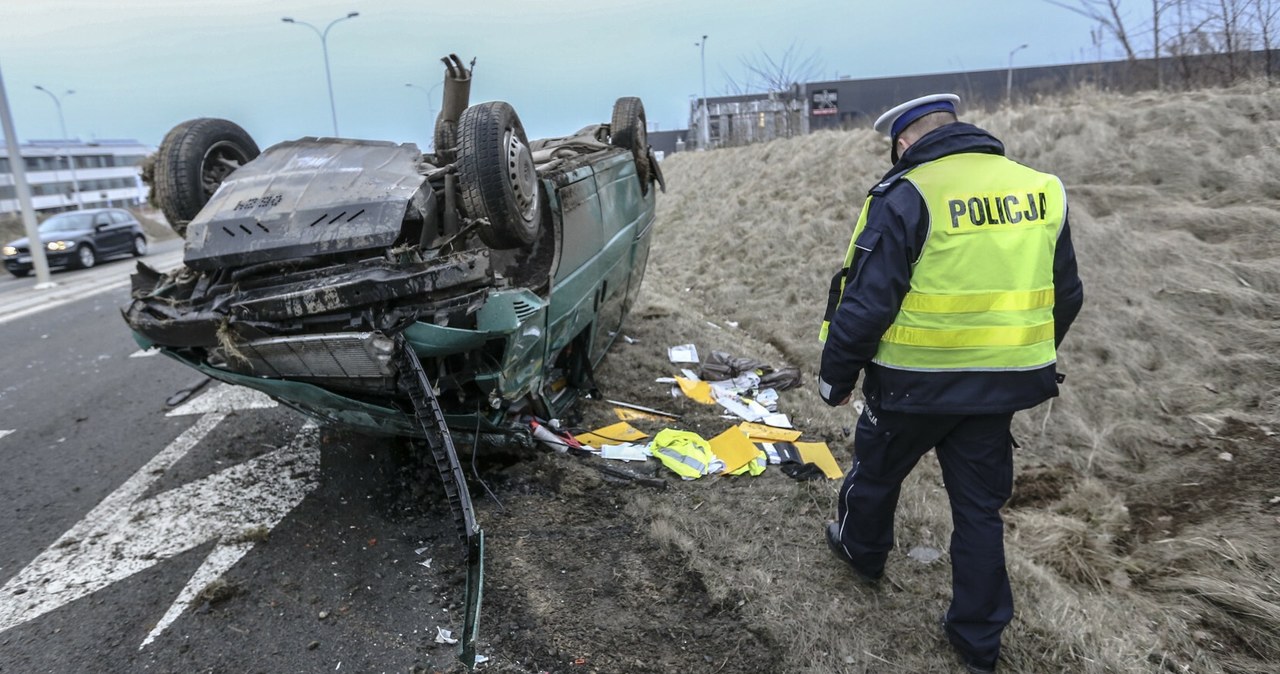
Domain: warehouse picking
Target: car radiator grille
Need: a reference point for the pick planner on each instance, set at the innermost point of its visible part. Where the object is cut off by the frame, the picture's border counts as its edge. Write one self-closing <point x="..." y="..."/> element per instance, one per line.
<point x="360" y="360"/>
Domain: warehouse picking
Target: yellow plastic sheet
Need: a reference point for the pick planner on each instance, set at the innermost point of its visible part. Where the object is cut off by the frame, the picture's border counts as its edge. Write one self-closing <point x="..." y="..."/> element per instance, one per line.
<point x="819" y="454"/>
<point x="611" y="435"/>
<point x="734" y="448"/>
<point x="696" y="390"/>
<point x="763" y="433"/>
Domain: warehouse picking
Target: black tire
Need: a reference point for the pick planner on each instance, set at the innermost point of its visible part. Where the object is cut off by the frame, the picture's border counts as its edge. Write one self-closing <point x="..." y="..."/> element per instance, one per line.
<point x="86" y="257"/>
<point x="139" y="245"/>
<point x="496" y="175"/>
<point x="20" y="273"/>
<point x="193" y="159"/>
<point x="629" y="130"/>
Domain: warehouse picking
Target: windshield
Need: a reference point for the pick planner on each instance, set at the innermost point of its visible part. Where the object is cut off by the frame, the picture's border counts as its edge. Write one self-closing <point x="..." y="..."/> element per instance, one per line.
<point x="67" y="222"/>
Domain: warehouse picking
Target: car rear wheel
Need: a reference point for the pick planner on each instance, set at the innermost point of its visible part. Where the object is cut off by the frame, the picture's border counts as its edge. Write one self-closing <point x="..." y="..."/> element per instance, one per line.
<point x="86" y="257"/>
<point x="497" y="177"/>
<point x="194" y="158"/>
<point x="628" y="129"/>
<point x="139" y="246"/>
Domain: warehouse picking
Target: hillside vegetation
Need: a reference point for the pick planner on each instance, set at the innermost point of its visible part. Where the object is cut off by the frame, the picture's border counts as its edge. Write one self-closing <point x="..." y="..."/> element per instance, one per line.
<point x="1142" y="535"/>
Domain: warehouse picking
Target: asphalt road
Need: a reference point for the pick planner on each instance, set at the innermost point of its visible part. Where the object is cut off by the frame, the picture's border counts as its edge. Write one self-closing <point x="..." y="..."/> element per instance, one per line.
<point x="223" y="534"/>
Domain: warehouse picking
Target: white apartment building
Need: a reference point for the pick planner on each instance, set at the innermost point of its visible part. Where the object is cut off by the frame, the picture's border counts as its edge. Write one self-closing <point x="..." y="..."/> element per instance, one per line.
<point x="107" y="171"/>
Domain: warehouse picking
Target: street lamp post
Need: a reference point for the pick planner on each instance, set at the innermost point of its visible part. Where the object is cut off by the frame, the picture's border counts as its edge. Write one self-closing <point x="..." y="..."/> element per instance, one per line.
<point x="324" y="46"/>
<point x="1008" y="83"/>
<point x="62" y="123"/>
<point x="706" y="118"/>
<point x="430" y="109"/>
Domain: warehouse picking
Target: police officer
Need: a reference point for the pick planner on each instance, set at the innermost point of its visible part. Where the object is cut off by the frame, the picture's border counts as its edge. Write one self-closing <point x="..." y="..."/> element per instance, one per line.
<point x="958" y="285"/>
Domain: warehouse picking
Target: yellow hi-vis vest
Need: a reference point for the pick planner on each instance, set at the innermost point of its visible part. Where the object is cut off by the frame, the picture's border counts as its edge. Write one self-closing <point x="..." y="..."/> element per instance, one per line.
<point x="686" y="453"/>
<point x="981" y="295"/>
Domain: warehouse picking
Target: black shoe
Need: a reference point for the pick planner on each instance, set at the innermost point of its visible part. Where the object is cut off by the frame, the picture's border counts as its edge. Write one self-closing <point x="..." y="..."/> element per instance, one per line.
<point x="971" y="666"/>
<point x="833" y="542"/>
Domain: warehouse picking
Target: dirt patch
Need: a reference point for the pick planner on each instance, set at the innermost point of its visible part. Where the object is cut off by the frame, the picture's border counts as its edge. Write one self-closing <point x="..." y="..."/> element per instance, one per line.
<point x="1038" y="486"/>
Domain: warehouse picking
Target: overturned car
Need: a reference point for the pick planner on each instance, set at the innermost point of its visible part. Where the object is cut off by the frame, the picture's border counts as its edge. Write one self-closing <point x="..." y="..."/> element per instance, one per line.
<point x="323" y="271"/>
<point x="369" y="284"/>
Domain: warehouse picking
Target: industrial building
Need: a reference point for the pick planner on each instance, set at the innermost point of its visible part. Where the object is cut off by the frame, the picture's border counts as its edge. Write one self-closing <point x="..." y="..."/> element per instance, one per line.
<point x="107" y="173"/>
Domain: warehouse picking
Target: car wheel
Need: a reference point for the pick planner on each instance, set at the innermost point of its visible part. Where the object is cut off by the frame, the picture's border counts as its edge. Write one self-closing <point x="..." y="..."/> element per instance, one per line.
<point x="139" y="245"/>
<point x="20" y="273"/>
<point x="497" y="177"/>
<point x="629" y="130"/>
<point x="86" y="257"/>
<point x="193" y="159"/>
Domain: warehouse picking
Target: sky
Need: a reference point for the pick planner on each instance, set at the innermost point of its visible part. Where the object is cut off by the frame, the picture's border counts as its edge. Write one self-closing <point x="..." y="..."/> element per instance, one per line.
<point x="139" y="67"/>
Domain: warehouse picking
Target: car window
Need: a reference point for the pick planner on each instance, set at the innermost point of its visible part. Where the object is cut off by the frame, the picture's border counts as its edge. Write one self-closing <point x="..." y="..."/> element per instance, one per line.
<point x="102" y="219"/>
<point x="119" y="217"/>
<point x="67" y="222"/>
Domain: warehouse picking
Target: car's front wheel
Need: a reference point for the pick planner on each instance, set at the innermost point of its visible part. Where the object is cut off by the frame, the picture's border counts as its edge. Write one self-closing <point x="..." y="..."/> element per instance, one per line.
<point x="497" y="177"/>
<point x="86" y="257"/>
<point x="193" y="159"/>
<point x="139" y="246"/>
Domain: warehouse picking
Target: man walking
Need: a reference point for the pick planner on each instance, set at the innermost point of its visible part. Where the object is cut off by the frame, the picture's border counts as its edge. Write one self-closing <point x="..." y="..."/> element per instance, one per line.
<point x="958" y="285"/>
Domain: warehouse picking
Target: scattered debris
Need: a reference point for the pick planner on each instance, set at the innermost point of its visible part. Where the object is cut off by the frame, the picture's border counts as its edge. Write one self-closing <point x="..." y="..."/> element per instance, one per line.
<point x="1225" y="456"/>
<point x="685" y="353"/>
<point x="639" y="408"/>
<point x="426" y="563"/>
<point x="688" y="454"/>
<point x="421" y="550"/>
<point x="444" y="636"/>
<point x="619" y="433"/>
<point x="624" y="452"/>
<point x="925" y="554"/>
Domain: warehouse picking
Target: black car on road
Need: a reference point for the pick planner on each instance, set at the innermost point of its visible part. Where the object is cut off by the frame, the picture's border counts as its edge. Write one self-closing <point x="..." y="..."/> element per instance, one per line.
<point x="78" y="239"/>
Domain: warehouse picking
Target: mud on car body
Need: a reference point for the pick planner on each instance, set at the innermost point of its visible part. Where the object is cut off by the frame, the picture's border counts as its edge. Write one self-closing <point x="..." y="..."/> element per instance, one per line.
<point x="507" y="266"/>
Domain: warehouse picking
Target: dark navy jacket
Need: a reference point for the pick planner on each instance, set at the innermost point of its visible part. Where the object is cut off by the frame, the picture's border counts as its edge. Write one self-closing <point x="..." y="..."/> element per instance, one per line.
<point x="879" y="278"/>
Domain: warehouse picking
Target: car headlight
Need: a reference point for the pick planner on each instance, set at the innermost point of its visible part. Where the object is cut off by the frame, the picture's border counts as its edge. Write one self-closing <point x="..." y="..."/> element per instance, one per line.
<point x="61" y="245"/>
<point x="10" y="251"/>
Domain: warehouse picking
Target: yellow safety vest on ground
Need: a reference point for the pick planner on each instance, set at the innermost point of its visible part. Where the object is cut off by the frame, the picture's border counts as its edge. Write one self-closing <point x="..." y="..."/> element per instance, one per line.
<point x="688" y="454"/>
<point x="982" y="294"/>
<point x="753" y="467"/>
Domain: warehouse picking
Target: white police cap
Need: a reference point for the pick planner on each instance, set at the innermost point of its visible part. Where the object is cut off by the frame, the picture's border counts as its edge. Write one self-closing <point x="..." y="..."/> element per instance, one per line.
<point x="894" y="121"/>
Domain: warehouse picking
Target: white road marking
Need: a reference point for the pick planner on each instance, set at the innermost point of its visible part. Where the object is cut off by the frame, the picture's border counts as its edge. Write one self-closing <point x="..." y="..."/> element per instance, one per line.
<point x="124" y="535"/>
<point x="224" y="398"/>
<point x="23" y="303"/>
<point x="144" y="353"/>
<point x="4" y="433"/>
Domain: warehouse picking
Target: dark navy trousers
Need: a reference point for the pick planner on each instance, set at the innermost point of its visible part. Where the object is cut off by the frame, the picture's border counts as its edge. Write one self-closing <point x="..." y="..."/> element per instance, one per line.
<point x="976" y="455"/>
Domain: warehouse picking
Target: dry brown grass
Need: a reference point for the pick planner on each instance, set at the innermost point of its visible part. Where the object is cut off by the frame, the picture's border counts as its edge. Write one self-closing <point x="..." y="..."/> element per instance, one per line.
<point x="1175" y="205"/>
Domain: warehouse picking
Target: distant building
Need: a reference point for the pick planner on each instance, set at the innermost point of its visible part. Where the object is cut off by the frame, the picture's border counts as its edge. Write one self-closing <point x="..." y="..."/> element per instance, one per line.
<point x="108" y="173"/>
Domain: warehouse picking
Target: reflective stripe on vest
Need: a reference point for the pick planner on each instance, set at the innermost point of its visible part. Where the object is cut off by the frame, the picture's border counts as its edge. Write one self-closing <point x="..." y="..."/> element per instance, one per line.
<point x="981" y="295"/>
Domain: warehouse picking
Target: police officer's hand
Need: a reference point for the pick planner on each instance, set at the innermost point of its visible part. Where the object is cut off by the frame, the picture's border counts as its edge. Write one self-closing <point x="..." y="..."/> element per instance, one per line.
<point x="831" y="396"/>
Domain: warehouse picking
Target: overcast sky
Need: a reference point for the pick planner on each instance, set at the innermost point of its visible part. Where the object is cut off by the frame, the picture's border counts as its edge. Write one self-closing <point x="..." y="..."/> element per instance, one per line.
<point x="140" y="66"/>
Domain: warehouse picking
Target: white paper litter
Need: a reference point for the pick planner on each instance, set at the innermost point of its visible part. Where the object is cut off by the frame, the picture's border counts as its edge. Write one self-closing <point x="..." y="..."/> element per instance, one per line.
<point x="444" y="636"/>
<point x="769" y="398"/>
<point x="665" y="380"/>
<point x="481" y="659"/>
<point x="421" y="550"/>
<point x="689" y="374"/>
<point x="777" y="421"/>
<point x="425" y="563"/>
<point x="745" y="409"/>
<point x="685" y="353"/>
<point x="771" y="452"/>
<point x="627" y="451"/>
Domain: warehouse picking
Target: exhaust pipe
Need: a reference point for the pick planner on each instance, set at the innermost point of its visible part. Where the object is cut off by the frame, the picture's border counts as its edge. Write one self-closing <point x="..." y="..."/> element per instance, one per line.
<point x="457" y="95"/>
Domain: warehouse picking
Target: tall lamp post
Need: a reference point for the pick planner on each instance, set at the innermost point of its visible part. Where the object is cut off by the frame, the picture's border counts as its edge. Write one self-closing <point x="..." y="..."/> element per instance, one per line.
<point x="62" y="123"/>
<point x="324" y="46"/>
<point x="430" y="110"/>
<point x="1008" y="83"/>
<point x="705" y="134"/>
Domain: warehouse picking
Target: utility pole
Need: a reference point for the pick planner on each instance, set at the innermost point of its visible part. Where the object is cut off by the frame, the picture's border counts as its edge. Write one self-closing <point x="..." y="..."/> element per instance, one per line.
<point x="16" y="165"/>
<point x="62" y="124"/>
<point x="324" y="46"/>
<point x="1008" y="83"/>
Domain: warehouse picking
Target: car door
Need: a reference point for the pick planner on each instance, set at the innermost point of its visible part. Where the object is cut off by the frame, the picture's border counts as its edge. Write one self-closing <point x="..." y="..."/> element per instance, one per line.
<point x="122" y="227"/>
<point x="105" y="236"/>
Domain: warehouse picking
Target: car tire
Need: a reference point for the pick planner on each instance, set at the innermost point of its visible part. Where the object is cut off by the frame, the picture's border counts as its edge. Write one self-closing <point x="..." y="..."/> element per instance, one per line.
<point x="86" y="257"/>
<point x="20" y="273"/>
<point x="628" y="129"/>
<point x="139" y="245"/>
<point x="193" y="159"/>
<point x="497" y="178"/>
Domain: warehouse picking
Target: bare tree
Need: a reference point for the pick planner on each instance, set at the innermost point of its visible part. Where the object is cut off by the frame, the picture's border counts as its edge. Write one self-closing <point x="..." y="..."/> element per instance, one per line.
<point x="1264" y="15"/>
<point x="765" y="72"/>
<point x="1107" y="14"/>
